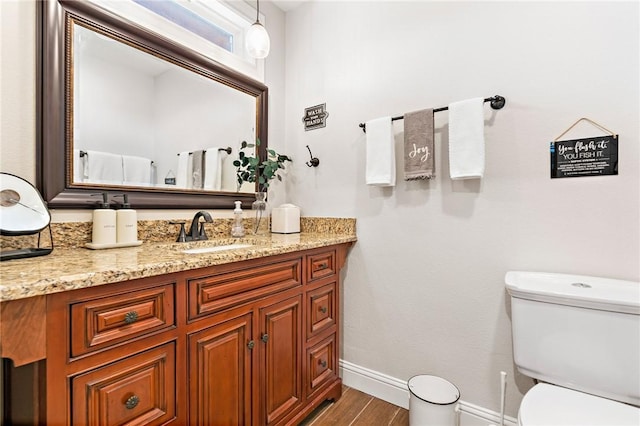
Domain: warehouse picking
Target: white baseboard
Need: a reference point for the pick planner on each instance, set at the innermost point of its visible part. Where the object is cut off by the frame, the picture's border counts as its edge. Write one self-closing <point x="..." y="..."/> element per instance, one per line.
<point x="371" y="382"/>
<point x="395" y="391"/>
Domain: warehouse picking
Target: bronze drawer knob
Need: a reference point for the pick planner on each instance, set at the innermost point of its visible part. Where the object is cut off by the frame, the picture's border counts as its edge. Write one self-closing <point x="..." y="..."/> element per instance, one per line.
<point x="323" y="363"/>
<point x="131" y="402"/>
<point x="323" y="309"/>
<point x="131" y="317"/>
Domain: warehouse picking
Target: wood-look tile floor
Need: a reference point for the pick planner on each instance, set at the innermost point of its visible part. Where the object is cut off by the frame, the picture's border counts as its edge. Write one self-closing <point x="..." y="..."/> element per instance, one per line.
<point x="357" y="408"/>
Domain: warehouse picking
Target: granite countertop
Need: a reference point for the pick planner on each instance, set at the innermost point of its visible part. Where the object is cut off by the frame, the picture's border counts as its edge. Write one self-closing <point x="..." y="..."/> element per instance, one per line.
<point x="74" y="268"/>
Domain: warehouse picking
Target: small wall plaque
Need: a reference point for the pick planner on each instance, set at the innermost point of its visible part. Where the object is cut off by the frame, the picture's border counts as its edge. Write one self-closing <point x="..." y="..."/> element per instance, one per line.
<point x="596" y="156"/>
<point x="315" y="117"/>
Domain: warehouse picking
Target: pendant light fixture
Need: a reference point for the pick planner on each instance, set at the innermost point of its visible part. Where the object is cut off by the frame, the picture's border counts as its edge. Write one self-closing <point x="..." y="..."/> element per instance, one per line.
<point x="257" y="39"/>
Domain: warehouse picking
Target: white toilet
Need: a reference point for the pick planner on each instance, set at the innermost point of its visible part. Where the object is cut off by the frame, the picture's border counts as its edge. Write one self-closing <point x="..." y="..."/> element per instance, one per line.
<point x="580" y="337"/>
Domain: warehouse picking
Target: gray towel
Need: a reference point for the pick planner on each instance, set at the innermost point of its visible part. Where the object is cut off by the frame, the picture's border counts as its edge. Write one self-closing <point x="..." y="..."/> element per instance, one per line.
<point x="418" y="145"/>
<point x="198" y="169"/>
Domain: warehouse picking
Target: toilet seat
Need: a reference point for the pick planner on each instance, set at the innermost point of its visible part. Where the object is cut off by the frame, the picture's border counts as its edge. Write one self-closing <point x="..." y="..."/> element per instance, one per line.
<point x="546" y="405"/>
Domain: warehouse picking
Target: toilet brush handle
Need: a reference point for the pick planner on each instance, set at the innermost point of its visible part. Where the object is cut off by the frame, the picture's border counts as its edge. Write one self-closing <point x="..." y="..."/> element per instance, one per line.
<point x="503" y="387"/>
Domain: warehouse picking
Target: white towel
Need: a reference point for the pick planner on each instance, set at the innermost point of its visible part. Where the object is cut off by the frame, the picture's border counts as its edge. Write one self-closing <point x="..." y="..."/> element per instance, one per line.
<point x="136" y="170"/>
<point x="197" y="161"/>
<point x="104" y="167"/>
<point x="381" y="156"/>
<point x="466" y="139"/>
<point x="213" y="158"/>
<point x="78" y="167"/>
<point x="183" y="175"/>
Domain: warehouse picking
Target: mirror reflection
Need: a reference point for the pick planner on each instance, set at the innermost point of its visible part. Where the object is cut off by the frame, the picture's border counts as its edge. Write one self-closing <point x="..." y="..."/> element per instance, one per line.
<point x="140" y="121"/>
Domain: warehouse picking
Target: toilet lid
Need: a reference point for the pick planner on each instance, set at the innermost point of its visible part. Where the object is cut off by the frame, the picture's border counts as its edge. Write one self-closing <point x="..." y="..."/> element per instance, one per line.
<point x="547" y="405"/>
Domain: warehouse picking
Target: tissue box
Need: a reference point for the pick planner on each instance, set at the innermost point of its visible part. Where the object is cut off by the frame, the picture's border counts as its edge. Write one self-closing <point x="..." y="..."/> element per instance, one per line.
<point x="285" y="219"/>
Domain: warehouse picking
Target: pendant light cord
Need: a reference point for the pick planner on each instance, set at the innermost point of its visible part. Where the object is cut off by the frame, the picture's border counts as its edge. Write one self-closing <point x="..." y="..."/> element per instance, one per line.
<point x="257" y="11"/>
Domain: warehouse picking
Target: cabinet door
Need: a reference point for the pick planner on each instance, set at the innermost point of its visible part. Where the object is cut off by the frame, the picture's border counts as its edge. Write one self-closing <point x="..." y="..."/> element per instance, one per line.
<point x="280" y="359"/>
<point x="220" y="373"/>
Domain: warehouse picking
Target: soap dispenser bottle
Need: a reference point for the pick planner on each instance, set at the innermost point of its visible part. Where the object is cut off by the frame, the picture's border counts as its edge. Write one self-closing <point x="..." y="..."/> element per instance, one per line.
<point x="104" y="222"/>
<point x="126" y="222"/>
<point x="237" y="229"/>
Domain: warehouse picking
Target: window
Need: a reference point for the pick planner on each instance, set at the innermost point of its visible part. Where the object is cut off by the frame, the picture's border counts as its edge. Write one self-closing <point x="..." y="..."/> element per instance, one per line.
<point x="190" y="20"/>
<point x="213" y="28"/>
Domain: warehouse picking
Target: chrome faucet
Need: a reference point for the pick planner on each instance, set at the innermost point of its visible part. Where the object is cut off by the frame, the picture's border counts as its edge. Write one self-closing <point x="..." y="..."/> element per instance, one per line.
<point x="198" y="233"/>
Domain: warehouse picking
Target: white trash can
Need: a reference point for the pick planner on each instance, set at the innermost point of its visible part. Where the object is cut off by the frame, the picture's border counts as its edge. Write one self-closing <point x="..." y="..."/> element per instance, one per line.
<point x="432" y="401"/>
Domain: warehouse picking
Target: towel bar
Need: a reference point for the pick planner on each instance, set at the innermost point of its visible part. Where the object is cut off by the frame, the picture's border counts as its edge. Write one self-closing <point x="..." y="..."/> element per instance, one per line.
<point x="497" y="102"/>
<point x="228" y="150"/>
<point x="83" y="153"/>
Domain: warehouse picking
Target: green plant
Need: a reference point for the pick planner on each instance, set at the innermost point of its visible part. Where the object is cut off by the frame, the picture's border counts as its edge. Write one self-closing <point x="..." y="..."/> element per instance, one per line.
<point x="251" y="168"/>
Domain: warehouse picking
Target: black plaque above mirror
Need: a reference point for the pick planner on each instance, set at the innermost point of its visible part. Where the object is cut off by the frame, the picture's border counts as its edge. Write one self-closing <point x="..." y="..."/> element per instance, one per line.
<point x="55" y="138"/>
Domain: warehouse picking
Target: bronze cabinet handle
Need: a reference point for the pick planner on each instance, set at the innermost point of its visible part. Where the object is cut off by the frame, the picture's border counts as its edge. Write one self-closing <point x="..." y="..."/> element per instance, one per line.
<point x="322" y="266"/>
<point x="265" y="338"/>
<point x="131" y="317"/>
<point x="323" y="309"/>
<point x="323" y="363"/>
<point x="251" y="344"/>
<point x="131" y="402"/>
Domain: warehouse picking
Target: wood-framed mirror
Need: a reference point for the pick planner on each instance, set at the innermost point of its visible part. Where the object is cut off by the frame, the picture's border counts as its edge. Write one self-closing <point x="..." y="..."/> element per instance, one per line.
<point x="60" y="143"/>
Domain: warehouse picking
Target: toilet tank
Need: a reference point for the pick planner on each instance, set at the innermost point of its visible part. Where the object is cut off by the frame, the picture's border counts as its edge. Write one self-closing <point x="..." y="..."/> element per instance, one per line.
<point x="577" y="331"/>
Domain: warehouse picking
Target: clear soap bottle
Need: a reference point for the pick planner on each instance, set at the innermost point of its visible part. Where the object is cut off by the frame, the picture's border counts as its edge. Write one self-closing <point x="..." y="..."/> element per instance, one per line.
<point x="237" y="229"/>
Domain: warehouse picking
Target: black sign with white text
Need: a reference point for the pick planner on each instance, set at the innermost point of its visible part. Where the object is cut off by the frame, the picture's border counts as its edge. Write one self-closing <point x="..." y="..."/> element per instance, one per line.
<point x="315" y="117"/>
<point x="596" y="156"/>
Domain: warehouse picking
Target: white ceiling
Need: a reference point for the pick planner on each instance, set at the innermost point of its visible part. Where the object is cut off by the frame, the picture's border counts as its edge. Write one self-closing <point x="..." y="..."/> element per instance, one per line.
<point x="287" y="5"/>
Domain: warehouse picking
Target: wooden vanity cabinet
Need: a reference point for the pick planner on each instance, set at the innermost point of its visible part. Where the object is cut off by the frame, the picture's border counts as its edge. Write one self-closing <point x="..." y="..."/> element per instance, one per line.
<point x="248" y="343"/>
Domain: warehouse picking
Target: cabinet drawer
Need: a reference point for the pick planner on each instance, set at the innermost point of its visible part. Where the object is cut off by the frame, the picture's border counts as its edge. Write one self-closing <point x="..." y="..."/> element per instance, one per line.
<point x="105" y="321"/>
<point x="321" y="265"/>
<point x="137" y="390"/>
<point x="217" y="292"/>
<point x="321" y="364"/>
<point x="321" y="312"/>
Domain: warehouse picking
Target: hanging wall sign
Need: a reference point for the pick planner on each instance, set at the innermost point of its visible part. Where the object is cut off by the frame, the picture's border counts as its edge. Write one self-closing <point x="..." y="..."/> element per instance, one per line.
<point x="315" y="117"/>
<point x="596" y="156"/>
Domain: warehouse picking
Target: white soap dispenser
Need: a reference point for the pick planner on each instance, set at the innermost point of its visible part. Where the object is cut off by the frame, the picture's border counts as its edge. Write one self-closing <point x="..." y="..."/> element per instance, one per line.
<point x="126" y="222"/>
<point x="104" y="223"/>
<point x="237" y="229"/>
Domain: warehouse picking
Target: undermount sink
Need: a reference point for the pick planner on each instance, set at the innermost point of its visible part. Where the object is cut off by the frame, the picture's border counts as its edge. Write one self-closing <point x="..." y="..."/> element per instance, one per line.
<point x="211" y="249"/>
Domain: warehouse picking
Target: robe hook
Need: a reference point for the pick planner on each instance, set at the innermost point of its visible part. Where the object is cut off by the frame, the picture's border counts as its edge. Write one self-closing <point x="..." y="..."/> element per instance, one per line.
<point x="314" y="161"/>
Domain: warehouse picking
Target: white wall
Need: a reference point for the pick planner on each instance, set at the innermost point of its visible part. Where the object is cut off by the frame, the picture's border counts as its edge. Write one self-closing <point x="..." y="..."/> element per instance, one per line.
<point x="119" y="123"/>
<point x="275" y="78"/>
<point x="424" y="289"/>
<point x="17" y="88"/>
